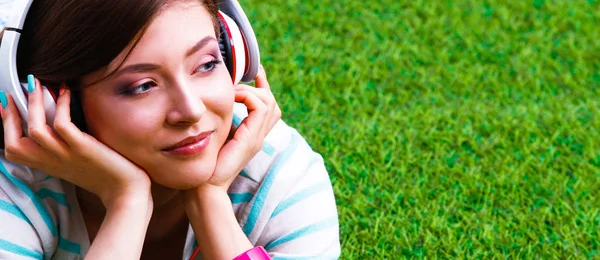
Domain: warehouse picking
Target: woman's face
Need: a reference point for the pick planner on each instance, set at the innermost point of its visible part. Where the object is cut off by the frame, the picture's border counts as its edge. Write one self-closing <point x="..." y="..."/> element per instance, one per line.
<point x="168" y="107"/>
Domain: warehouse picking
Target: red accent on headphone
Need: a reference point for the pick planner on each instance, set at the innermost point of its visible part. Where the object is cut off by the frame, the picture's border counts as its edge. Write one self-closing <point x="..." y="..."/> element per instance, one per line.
<point x="195" y="253"/>
<point x="232" y="47"/>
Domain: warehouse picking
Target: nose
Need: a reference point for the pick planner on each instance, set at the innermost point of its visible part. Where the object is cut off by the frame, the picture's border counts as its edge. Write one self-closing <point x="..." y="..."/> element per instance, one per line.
<point x="186" y="106"/>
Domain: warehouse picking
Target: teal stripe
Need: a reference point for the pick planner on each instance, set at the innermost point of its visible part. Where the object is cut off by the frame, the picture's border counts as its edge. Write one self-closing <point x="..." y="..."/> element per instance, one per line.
<point x="18" y="250"/>
<point x="60" y="198"/>
<point x="313" y="160"/>
<point x="36" y="201"/>
<point x="69" y="246"/>
<point x="13" y="209"/>
<point x="303" y="232"/>
<point x="268" y="149"/>
<point x="48" y="178"/>
<point x="263" y="191"/>
<point x="245" y="174"/>
<point x="300" y="196"/>
<point x="236" y="120"/>
<point x="237" y="198"/>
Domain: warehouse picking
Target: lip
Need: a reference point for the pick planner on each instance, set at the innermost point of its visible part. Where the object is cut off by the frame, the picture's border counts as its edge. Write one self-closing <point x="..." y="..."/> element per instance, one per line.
<point x="190" y="145"/>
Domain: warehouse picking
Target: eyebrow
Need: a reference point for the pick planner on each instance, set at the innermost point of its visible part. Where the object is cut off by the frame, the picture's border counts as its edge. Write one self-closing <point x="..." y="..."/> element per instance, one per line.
<point x="199" y="45"/>
<point x="143" y="67"/>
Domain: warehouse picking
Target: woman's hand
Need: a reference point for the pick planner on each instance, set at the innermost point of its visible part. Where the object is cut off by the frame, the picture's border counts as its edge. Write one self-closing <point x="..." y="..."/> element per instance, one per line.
<point x="208" y="207"/>
<point x="69" y="154"/>
<point x="74" y="156"/>
<point x="247" y="141"/>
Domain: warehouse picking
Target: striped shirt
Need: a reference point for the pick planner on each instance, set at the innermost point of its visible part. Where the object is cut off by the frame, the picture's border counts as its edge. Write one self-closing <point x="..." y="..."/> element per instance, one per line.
<point x="283" y="201"/>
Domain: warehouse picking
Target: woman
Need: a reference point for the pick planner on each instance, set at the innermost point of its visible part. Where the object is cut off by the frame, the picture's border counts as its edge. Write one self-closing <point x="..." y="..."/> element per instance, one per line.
<point x="147" y="164"/>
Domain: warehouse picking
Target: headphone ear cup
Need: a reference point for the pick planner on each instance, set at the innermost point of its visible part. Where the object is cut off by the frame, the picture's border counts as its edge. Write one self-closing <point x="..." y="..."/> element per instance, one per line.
<point x="234" y="48"/>
<point x="251" y="52"/>
<point x="225" y="47"/>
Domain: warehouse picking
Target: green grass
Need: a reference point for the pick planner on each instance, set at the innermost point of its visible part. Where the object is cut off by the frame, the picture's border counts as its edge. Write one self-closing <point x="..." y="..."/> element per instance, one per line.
<point x="461" y="129"/>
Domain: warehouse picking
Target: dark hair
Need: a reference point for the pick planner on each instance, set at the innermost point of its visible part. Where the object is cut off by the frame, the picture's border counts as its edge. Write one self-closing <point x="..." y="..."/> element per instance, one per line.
<point x="63" y="40"/>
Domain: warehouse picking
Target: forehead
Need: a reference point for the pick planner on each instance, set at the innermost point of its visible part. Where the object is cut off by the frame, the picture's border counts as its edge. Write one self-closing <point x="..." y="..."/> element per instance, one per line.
<point x="172" y="32"/>
<point x="177" y="22"/>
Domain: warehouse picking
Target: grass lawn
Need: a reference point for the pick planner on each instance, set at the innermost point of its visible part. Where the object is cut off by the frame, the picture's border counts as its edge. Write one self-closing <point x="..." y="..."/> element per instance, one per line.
<point x="450" y="128"/>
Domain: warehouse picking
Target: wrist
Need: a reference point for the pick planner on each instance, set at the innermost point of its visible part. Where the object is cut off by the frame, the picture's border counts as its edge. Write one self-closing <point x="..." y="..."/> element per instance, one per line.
<point x="203" y="195"/>
<point x="124" y="227"/>
<point x="214" y="222"/>
<point x="139" y="200"/>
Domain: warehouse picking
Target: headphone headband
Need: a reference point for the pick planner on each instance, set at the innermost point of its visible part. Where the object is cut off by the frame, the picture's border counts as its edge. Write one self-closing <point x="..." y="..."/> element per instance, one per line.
<point x="233" y="9"/>
<point x="9" y="78"/>
<point x="18" y="13"/>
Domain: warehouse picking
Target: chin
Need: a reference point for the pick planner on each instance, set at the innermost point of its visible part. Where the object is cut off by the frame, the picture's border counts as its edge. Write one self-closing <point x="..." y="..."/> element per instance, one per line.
<point x="185" y="177"/>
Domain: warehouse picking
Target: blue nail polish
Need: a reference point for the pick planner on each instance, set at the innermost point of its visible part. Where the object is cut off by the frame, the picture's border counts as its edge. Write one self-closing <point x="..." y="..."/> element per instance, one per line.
<point x="3" y="99"/>
<point x="30" y="83"/>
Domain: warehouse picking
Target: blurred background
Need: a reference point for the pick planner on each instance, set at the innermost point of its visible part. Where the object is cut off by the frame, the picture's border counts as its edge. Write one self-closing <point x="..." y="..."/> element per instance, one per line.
<point x="451" y="129"/>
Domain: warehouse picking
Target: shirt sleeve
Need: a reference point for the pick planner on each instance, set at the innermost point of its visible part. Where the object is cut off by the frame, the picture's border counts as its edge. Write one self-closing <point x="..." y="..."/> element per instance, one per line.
<point x="304" y="225"/>
<point x="293" y="213"/>
<point x="18" y="238"/>
<point x="27" y="228"/>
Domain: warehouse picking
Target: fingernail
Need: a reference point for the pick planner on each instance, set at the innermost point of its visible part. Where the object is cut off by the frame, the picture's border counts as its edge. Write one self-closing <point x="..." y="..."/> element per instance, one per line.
<point x="30" y="83"/>
<point x="3" y="99"/>
<point x="62" y="89"/>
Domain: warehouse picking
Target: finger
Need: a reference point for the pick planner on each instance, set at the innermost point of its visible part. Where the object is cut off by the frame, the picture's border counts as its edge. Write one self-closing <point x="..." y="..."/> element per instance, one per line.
<point x="36" y="118"/>
<point x="38" y="128"/>
<point x="273" y="112"/>
<point x="28" y="152"/>
<point x="263" y="83"/>
<point x="11" y="121"/>
<point x="257" y="111"/>
<point x="62" y="121"/>
<point x="231" y="158"/>
<point x="264" y="95"/>
<point x="18" y="148"/>
<point x="276" y="116"/>
<point x="261" y="79"/>
<point x="247" y="139"/>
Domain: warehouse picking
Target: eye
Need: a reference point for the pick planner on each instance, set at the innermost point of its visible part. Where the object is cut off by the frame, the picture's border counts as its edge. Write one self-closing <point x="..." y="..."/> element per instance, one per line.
<point x="208" y="66"/>
<point x="140" y="89"/>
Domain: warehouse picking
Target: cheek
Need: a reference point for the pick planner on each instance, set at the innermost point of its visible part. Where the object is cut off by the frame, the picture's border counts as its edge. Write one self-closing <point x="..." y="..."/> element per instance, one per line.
<point x="95" y="116"/>
<point x="220" y="99"/>
<point x="118" y="124"/>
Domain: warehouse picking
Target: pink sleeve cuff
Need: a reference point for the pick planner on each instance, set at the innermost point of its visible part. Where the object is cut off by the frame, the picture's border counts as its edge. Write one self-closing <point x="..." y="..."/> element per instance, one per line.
<point x="257" y="253"/>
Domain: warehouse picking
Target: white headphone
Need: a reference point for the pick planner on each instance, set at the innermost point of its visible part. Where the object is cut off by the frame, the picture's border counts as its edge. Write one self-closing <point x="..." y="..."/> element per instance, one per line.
<point x="237" y="42"/>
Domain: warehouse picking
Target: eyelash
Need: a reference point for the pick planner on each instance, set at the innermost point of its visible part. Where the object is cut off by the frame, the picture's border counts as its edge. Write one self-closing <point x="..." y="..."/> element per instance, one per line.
<point x="212" y="65"/>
